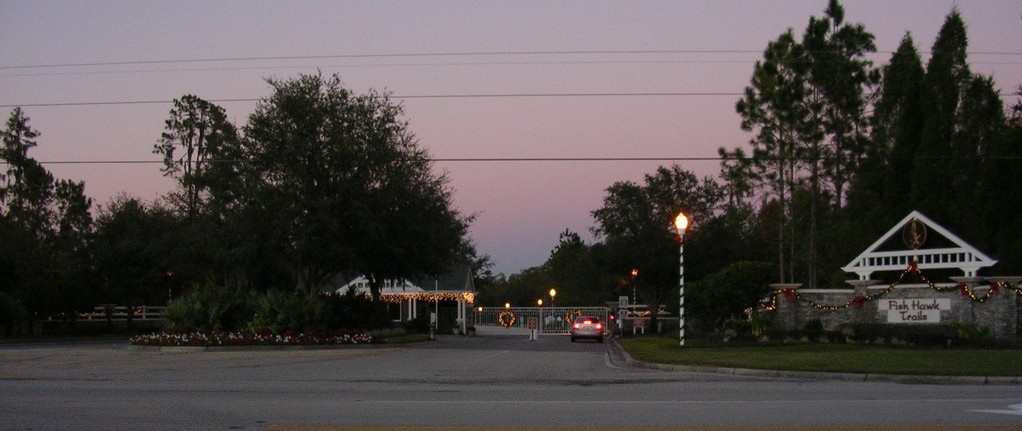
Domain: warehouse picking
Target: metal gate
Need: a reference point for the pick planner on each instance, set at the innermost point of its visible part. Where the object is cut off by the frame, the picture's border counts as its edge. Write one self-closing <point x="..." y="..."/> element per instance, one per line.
<point x="551" y="320"/>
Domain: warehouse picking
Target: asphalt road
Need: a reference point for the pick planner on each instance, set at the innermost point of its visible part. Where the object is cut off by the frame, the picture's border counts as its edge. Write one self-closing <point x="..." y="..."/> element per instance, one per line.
<point x="497" y="380"/>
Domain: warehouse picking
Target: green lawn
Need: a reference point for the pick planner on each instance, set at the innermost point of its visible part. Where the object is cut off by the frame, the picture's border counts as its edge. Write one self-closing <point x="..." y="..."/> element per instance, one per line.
<point x="842" y="358"/>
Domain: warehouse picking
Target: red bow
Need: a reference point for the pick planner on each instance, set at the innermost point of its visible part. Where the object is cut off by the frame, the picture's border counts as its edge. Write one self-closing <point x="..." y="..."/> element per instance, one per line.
<point x="913" y="266"/>
<point x="789" y="294"/>
<point x="858" y="302"/>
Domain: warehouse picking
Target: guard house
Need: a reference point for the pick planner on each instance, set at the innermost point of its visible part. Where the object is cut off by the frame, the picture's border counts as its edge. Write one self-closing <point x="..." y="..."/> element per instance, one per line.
<point x="448" y="295"/>
<point x="914" y="247"/>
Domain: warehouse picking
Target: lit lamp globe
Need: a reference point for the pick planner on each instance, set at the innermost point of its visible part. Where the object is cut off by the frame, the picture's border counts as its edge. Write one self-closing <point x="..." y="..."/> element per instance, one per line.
<point x="681" y="223"/>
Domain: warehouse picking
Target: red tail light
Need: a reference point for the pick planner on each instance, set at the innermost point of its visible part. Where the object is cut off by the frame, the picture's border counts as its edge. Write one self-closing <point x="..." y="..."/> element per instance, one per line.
<point x="599" y="326"/>
<point x="577" y="326"/>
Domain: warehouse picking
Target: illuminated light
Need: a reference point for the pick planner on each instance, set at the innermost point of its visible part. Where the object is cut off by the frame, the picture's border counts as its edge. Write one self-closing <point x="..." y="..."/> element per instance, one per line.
<point x="506" y="318"/>
<point x="397" y="298"/>
<point x="681" y="223"/>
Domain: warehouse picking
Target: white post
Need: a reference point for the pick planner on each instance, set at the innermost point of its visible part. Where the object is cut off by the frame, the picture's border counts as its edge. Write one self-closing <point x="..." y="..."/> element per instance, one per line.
<point x="681" y="291"/>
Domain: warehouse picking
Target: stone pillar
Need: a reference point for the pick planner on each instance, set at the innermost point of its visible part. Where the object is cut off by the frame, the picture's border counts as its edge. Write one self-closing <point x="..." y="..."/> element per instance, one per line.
<point x="969" y="316"/>
<point x="1009" y="303"/>
<point x="861" y="288"/>
<point x="788" y="313"/>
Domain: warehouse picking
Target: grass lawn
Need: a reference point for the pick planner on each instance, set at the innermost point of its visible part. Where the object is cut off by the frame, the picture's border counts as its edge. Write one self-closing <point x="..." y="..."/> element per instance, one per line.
<point x="842" y="358"/>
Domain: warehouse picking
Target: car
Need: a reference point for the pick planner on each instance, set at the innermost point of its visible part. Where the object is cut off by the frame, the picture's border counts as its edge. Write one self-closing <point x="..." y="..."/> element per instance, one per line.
<point x="587" y="327"/>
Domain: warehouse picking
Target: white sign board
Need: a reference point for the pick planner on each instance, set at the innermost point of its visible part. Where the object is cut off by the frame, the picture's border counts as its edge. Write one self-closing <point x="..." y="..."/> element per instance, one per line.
<point x="914" y="310"/>
<point x="622" y="302"/>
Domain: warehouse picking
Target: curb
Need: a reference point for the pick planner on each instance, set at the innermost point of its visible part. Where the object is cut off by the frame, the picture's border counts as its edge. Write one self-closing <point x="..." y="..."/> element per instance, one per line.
<point x="628" y="360"/>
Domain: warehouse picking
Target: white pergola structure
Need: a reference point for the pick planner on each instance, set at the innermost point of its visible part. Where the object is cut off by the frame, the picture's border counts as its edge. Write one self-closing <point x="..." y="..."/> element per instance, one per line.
<point x="960" y="255"/>
<point x="407" y="295"/>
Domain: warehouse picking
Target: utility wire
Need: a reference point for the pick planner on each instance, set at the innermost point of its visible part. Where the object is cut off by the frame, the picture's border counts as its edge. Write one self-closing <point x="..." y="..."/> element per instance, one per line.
<point x="558" y="159"/>
<point x="427" y="54"/>
<point x="411" y="96"/>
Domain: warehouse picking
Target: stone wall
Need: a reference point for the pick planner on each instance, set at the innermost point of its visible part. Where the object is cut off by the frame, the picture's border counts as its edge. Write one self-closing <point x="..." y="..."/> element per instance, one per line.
<point x="905" y="304"/>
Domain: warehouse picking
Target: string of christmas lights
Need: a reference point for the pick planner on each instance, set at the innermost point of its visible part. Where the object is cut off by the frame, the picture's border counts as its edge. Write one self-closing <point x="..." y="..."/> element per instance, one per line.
<point x="792" y="295"/>
<point x="397" y="298"/>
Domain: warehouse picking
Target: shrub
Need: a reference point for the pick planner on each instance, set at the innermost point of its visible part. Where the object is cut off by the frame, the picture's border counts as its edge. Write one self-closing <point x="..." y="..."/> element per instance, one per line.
<point x="923" y="335"/>
<point x="209" y="308"/>
<point x="278" y="311"/>
<point x="353" y="311"/>
<point x="11" y="311"/>
<point x="814" y="325"/>
<point x="212" y="308"/>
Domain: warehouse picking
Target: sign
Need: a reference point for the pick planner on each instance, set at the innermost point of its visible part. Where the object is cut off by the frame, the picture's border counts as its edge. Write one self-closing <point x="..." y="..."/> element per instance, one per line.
<point x="622" y="302"/>
<point x="914" y="310"/>
<point x="533" y="323"/>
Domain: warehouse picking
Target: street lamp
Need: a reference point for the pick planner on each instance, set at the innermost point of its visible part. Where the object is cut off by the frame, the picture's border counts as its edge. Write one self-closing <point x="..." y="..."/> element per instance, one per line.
<point x="553" y="293"/>
<point x="635" y="273"/>
<point x="539" y="302"/>
<point x="680" y="225"/>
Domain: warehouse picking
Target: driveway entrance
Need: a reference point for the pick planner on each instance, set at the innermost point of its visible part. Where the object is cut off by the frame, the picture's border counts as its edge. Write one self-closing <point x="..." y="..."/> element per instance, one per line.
<point x="551" y="320"/>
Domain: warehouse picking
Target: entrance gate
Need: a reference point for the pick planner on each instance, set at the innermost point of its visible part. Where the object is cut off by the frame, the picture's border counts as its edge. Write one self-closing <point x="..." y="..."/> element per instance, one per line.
<point x="552" y="320"/>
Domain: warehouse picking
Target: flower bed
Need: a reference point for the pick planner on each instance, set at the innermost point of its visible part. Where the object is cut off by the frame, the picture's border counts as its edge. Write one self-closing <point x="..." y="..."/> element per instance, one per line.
<point x="258" y="338"/>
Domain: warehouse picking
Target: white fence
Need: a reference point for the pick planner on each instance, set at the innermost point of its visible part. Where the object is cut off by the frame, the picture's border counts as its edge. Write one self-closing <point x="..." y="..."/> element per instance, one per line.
<point x="120" y="313"/>
<point x="551" y="320"/>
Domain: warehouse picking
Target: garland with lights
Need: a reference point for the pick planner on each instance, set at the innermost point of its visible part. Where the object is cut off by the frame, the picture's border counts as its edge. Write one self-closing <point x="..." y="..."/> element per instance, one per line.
<point x="792" y="295"/>
<point x="571" y="315"/>
<point x="506" y="318"/>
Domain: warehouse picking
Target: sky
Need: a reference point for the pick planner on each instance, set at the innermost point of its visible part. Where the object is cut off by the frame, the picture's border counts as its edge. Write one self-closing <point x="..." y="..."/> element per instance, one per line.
<point x="653" y="80"/>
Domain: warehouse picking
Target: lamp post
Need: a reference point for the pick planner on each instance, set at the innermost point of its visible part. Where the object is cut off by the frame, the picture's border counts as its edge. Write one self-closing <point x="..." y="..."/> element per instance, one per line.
<point x="680" y="225"/>
<point x="553" y="293"/>
<point x="635" y="273"/>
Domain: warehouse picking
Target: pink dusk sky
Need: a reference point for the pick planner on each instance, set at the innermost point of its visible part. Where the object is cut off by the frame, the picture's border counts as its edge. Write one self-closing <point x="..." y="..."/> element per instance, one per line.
<point x="608" y="80"/>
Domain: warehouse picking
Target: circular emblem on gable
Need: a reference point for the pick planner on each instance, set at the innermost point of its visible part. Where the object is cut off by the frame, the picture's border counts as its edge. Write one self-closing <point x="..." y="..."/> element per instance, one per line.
<point x="914" y="234"/>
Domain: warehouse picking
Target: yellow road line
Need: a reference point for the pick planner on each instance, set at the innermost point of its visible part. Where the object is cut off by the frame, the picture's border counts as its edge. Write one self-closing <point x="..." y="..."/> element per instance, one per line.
<point x="940" y="427"/>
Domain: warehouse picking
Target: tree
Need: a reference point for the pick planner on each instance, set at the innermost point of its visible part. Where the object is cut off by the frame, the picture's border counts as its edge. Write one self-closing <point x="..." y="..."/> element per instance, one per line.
<point x="636" y="222"/>
<point x="896" y="134"/>
<point x="46" y="223"/>
<point x="574" y="268"/>
<point x="197" y="146"/>
<point x="806" y="104"/>
<point x="132" y="244"/>
<point x="770" y="108"/>
<point x="726" y="294"/>
<point x="220" y="239"/>
<point x="345" y="183"/>
<point x="996" y="203"/>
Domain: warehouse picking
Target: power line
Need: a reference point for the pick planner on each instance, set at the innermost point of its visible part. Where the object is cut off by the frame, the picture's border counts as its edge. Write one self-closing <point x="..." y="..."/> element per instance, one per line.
<point x="415" y="96"/>
<point x="424" y="55"/>
<point x="410" y="96"/>
<point x="561" y="159"/>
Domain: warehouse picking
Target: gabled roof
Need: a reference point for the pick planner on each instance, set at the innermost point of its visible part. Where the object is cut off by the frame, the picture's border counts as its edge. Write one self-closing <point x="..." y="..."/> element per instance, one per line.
<point x="458" y="278"/>
<point x="960" y="255"/>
